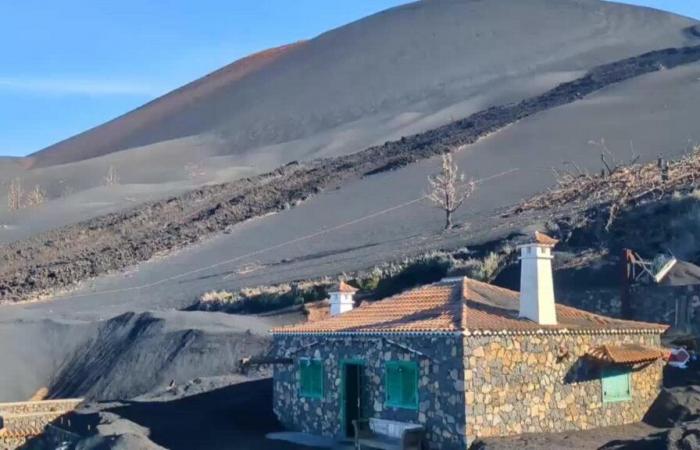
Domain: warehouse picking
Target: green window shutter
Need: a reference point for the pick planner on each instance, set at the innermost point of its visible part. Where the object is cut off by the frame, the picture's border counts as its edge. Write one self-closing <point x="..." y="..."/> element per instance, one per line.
<point x="410" y="386"/>
<point x="616" y="384"/>
<point x="317" y="378"/>
<point x="393" y="384"/>
<point x="311" y="378"/>
<point x="402" y="384"/>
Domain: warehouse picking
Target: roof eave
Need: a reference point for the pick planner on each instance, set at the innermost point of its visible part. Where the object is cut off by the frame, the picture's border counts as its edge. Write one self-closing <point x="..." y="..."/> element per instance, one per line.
<point x="480" y="332"/>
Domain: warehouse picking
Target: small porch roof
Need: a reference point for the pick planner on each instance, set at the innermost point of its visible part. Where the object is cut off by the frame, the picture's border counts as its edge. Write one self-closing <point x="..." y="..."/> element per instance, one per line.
<point x="626" y="354"/>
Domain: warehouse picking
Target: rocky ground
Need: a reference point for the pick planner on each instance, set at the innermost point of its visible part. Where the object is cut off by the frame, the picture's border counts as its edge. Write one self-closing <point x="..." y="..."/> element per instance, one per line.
<point x="61" y="258"/>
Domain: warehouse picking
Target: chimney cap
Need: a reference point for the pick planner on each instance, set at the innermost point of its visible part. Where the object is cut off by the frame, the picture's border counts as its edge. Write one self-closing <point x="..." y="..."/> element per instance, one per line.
<point x="343" y="287"/>
<point x="543" y="239"/>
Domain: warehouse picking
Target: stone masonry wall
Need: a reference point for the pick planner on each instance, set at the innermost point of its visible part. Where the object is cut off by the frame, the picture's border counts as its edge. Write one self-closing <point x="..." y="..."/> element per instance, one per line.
<point x="672" y="305"/>
<point x="441" y="384"/>
<point x="22" y="421"/>
<point x="604" y="301"/>
<point x="39" y="406"/>
<point x="518" y="384"/>
<point x="12" y="443"/>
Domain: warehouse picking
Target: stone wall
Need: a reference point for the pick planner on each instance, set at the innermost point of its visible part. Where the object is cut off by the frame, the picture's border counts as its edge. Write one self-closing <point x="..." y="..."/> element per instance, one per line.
<point x="39" y="406"/>
<point x="22" y="421"/>
<point x="604" y="301"/>
<point x="672" y="305"/>
<point x="12" y="443"/>
<point x="518" y="384"/>
<point x="31" y="424"/>
<point x="441" y="383"/>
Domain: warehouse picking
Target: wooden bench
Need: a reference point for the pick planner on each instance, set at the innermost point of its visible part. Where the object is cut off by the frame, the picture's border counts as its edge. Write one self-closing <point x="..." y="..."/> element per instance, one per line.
<point x="387" y="434"/>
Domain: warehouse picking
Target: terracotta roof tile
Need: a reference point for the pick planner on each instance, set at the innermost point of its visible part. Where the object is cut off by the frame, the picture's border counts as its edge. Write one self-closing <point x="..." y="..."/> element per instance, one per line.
<point x="626" y="353"/>
<point x="343" y="287"/>
<point x="543" y="239"/>
<point x="458" y="304"/>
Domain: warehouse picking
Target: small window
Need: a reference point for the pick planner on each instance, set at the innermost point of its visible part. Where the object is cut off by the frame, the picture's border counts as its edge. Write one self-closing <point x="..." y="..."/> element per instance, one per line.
<point x="402" y="384"/>
<point x="617" y="384"/>
<point x="311" y="378"/>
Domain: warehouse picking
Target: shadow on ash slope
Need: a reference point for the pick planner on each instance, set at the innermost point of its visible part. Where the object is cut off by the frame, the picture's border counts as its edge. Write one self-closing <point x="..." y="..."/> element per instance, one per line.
<point x="126" y="356"/>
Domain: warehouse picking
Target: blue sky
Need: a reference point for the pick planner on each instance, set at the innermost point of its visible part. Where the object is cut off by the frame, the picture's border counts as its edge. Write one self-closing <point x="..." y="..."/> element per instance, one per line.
<point x="72" y="64"/>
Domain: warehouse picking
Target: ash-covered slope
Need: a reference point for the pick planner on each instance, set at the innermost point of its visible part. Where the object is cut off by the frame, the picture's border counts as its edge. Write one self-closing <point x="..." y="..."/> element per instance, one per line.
<point x="404" y="71"/>
<point x="132" y="354"/>
<point x="128" y="355"/>
<point x="392" y="72"/>
<point x="168" y="117"/>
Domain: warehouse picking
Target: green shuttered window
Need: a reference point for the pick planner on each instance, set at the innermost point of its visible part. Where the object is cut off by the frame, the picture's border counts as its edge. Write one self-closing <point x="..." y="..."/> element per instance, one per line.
<point x="311" y="378"/>
<point x="617" y="384"/>
<point x="402" y="384"/>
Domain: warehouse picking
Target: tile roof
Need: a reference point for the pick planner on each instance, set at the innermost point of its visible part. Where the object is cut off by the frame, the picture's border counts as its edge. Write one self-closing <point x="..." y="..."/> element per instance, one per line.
<point x="626" y="353"/>
<point x="460" y="305"/>
<point x="343" y="287"/>
<point x="542" y="238"/>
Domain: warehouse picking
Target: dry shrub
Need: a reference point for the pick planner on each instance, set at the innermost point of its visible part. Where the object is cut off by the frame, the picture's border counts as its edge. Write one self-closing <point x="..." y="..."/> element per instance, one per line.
<point x="620" y="187"/>
<point x="485" y="269"/>
<point x="216" y="297"/>
<point x="35" y="197"/>
<point x="112" y="177"/>
<point x="14" y="195"/>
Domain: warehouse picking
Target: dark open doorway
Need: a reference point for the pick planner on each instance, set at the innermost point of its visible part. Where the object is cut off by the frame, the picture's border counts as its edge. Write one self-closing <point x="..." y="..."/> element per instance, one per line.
<point x="352" y="395"/>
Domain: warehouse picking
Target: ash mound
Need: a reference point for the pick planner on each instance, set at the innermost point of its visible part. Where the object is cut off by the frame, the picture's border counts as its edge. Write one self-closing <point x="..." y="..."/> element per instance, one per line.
<point x="127" y="356"/>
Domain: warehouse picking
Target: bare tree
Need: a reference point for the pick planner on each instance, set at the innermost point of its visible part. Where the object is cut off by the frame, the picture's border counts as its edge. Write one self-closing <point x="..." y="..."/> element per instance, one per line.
<point x="14" y="195"/>
<point x="112" y="177"/>
<point x="449" y="189"/>
<point x="608" y="159"/>
<point x="35" y="197"/>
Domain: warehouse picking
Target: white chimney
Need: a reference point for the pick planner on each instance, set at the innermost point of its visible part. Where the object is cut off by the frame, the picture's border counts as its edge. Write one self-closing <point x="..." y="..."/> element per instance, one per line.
<point x="536" y="285"/>
<point x="342" y="298"/>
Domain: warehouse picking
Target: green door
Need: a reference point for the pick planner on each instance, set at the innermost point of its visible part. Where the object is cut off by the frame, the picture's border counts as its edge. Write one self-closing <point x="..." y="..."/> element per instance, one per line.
<point x="617" y="385"/>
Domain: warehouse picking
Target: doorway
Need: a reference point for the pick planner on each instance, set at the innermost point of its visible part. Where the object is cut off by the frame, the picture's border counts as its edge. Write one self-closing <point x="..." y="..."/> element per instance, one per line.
<point x="352" y="395"/>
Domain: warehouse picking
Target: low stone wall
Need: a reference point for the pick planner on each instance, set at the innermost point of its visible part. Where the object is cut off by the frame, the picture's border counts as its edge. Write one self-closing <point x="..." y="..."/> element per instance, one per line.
<point x="39" y="406"/>
<point x="518" y="384"/>
<point x="12" y="443"/>
<point x="23" y="421"/>
<point x="673" y="305"/>
<point x="441" y="384"/>
<point x="604" y="301"/>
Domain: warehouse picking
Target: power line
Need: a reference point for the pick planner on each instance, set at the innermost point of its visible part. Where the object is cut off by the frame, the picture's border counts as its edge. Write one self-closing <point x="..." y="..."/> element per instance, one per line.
<point x="273" y="247"/>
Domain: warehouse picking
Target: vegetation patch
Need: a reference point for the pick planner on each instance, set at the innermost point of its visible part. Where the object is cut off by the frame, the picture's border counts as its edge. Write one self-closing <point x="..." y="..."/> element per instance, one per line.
<point x="374" y="284"/>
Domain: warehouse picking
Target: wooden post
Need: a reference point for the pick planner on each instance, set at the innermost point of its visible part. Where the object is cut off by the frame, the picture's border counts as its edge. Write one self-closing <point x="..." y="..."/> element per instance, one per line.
<point x="627" y="272"/>
<point x="663" y="167"/>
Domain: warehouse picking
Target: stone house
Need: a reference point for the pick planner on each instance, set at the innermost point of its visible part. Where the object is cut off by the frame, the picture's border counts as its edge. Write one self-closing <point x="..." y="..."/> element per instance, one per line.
<point x="467" y="359"/>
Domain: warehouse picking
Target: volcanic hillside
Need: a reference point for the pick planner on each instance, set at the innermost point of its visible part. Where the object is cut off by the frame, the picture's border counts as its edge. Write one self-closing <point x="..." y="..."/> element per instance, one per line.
<point x="515" y="87"/>
<point x="397" y="73"/>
